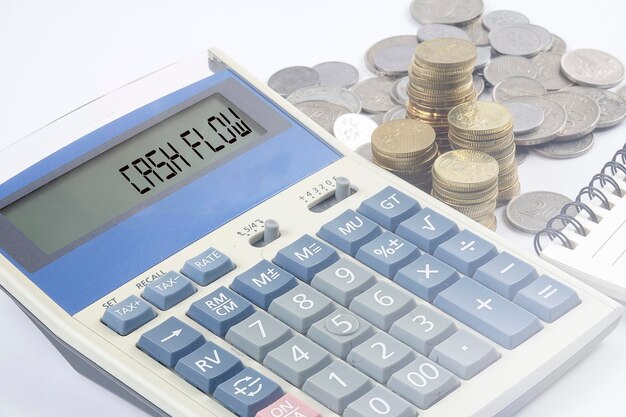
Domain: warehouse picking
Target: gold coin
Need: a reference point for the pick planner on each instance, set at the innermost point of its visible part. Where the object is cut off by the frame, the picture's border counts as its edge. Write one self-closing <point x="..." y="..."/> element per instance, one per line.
<point x="480" y="117"/>
<point x="491" y="222"/>
<point x="416" y="162"/>
<point x="446" y="53"/>
<point x="406" y="137"/>
<point x="466" y="169"/>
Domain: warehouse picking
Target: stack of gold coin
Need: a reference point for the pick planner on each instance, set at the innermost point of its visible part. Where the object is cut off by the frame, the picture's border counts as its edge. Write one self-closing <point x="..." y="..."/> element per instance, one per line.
<point x="467" y="181"/>
<point x="440" y="78"/>
<point x="406" y="148"/>
<point x="488" y="127"/>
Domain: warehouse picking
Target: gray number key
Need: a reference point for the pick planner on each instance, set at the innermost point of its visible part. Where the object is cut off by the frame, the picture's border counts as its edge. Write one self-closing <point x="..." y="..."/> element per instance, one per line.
<point x="337" y="385"/>
<point x="380" y="356"/>
<point x="379" y="402"/>
<point x="301" y="307"/>
<point x="422" y="382"/>
<point x="382" y="304"/>
<point x="343" y="281"/>
<point x="297" y="360"/>
<point x="422" y="329"/>
<point x="464" y="354"/>
<point x="340" y="331"/>
<point x="258" y="334"/>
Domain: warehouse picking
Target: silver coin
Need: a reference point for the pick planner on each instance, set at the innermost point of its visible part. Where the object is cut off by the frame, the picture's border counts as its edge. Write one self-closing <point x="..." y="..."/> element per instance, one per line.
<point x="391" y="57"/>
<point x="483" y="56"/>
<point x="437" y="30"/>
<point x="290" y="79"/>
<point x="612" y="105"/>
<point x="354" y="130"/>
<point x="566" y="150"/>
<point x="583" y="114"/>
<point x="499" y="18"/>
<point x="376" y="117"/>
<point x="517" y="87"/>
<point x="451" y="12"/>
<point x="530" y="212"/>
<point x="322" y="112"/>
<point x="397" y="113"/>
<point x="399" y="92"/>
<point x="375" y="94"/>
<point x="555" y="119"/>
<point x="517" y="40"/>
<point x="335" y="95"/>
<point x="527" y="117"/>
<point x="549" y="71"/>
<point x="337" y="74"/>
<point x="479" y="84"/>
<point x="622" y="91"/>
<point x="477" y="33"/>
<point x="592" y="68"/>
<point x="558" y="45"/>
<point x="503" y="67"/>
<point x="546" y="37"/>
<point x="366" y="152"/>
<point x="521" y="153"/>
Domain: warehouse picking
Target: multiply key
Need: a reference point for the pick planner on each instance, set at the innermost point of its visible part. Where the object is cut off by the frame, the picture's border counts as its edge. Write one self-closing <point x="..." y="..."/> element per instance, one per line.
<point x="488" y="312"/>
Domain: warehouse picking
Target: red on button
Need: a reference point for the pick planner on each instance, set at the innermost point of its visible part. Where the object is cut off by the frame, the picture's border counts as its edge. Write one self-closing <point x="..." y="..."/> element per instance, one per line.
<point x="288" y="406"/>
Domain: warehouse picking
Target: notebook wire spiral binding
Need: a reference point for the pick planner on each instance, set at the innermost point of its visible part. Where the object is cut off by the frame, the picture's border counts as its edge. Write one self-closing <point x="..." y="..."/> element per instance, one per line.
<point x="578" y="221"/>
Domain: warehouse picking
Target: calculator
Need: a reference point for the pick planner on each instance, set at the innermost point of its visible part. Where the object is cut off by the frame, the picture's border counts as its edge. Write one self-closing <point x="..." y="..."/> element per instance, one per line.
<point x="195" y="243"/>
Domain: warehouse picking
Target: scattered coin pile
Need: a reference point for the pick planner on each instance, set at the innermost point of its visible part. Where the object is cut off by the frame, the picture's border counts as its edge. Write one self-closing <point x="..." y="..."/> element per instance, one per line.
<point x="488" y="127"/>
<point x="407" y="148"/>
<point x="558" y="99"/>
<point x="467" y="181"/>
<point x="440" y="79"/>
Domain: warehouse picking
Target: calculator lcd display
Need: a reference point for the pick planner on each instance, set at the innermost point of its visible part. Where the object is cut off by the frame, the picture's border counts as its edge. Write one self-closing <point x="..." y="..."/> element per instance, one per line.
<point x="155" y="160"/>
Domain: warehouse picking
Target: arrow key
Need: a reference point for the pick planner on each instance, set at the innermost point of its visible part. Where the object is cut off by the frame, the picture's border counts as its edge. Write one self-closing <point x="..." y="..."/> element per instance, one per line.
<point x="170" y="341"/>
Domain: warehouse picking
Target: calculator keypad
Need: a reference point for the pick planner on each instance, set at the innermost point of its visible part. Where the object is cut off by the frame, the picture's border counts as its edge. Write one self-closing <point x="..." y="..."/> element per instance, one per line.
<point x="362" y="343"/>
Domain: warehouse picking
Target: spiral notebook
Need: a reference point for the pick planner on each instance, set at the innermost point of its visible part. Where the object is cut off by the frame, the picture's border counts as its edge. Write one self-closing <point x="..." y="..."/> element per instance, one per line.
<point x="588" y="237"/>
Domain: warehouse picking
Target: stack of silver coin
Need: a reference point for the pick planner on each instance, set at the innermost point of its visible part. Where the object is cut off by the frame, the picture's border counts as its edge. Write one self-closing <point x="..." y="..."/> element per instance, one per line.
<point x="406" y="148"/>
<point x="440" y="79"/>
<point x="488" y="127"/>
<point x="467" y="181"/>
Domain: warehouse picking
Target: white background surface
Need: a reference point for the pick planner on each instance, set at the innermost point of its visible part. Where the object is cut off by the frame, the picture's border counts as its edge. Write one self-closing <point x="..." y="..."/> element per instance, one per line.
<point x="55" y="56"/>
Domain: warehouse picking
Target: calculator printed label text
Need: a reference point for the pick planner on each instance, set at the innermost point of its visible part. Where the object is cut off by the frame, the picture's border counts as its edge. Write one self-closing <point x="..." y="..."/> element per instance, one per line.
<point x="222" y="305"/>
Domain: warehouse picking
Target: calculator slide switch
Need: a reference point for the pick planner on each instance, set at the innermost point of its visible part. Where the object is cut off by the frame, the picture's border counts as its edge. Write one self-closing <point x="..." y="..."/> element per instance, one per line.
<point x="128" y="315"/>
